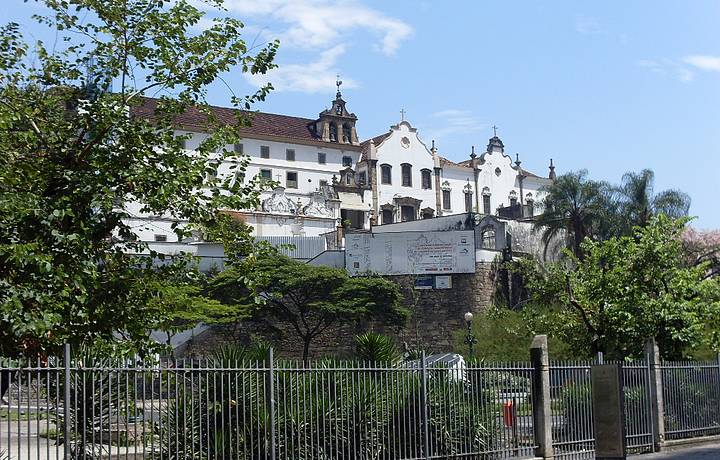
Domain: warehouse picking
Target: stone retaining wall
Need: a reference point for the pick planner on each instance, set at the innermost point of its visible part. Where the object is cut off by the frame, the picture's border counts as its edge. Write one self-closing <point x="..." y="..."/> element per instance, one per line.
<point x="435" y="316"/>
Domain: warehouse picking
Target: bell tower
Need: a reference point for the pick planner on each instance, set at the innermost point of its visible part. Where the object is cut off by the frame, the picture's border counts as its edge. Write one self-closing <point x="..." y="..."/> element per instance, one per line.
<point x="336" y="124"/>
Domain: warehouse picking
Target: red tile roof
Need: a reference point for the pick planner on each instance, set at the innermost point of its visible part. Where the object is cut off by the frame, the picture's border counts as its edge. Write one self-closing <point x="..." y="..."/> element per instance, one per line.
<point x="377" y="140"/>
<point x="263" y="124"/>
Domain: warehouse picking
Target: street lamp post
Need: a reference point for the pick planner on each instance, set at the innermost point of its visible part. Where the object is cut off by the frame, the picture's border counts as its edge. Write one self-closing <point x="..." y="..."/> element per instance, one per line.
<point x="470" y="339"/>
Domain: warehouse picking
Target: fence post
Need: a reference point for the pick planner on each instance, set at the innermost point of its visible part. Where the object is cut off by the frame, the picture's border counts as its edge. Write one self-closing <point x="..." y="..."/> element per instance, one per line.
<point x="542" y="413"/>
<point x="270" y="400"/>
<point x="424" y="409"/>
<point x="657" y="404"/>
<point x="66" y="401"/>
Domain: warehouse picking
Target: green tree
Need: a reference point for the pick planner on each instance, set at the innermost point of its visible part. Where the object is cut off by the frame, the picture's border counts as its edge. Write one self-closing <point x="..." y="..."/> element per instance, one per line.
<point x="638" y="202"/>
<point x="307" y="298"/>
<point x="575" y="207"/>
<point x="77" y="146"/>
<point x="629" y="288"/>
<point x="505" y="334"/>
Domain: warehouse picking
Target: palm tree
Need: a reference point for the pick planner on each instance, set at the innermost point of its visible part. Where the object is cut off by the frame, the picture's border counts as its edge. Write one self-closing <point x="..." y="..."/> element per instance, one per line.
<point x="638" y="203"/>
<point x="575" y="207"/>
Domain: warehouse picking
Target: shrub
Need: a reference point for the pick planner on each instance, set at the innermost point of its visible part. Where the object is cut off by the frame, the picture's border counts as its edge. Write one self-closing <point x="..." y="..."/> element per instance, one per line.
<point x="376" y="348"/>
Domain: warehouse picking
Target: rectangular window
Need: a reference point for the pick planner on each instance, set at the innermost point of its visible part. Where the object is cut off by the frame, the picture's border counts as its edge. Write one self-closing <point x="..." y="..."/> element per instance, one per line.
<point x="266" y="174"/>
<point x="290" y="154"/>
<point x="406" y="175"/>
<point x="291" y="180"/>
<point x="264" y="151"/>
<point x="362" y="178"/>
<point x="385" y="174"/>
<point x="426" y="179"/>
<point x="322" y="158"/>
<point x="446" y="199"/>
<point x="161" y="238"/>
<point x="486" y="204"/>
<point x="347" y="161"/>
<point x="238" y="148"/>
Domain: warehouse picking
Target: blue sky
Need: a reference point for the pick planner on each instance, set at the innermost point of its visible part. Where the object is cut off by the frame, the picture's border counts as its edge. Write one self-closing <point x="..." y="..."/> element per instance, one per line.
<point x="609" y="86"/>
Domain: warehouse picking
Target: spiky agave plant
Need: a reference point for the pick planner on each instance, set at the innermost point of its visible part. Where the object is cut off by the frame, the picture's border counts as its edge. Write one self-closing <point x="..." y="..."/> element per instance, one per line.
<point x="219" y="409"/>
<point x="376" y="348"/>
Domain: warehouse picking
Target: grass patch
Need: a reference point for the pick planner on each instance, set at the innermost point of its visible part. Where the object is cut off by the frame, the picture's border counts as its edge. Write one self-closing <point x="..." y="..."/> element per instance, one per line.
<point x="21" y="415"/>
<point x="51" y="433"/>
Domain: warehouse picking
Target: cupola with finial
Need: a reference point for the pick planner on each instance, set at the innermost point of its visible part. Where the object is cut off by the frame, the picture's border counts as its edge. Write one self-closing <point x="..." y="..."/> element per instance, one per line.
<point x="336" y="124"/>
<point x="495" y="144"/>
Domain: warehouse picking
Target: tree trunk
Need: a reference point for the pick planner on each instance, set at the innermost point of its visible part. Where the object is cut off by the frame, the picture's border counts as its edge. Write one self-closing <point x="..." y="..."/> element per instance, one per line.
<point x="306" y="349"/>
<point x="578" y="237"/>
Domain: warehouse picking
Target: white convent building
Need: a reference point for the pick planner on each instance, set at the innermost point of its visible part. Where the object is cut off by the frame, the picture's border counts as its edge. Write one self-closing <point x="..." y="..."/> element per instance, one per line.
<point x="327" y="178"/>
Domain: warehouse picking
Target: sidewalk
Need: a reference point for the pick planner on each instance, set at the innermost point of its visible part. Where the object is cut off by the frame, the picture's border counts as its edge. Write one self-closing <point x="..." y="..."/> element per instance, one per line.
<point x="706" y="452"/>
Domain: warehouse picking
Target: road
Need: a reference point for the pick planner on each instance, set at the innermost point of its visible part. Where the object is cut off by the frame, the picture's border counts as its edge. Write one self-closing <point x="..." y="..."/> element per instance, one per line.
<point x="706" y="452"/>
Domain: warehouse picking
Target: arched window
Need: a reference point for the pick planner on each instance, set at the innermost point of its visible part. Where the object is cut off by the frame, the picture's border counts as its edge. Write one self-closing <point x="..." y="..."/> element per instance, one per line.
<point x="426" y="179"/>
<point x="385" y="174"/>
<point x="488" y="237"/>
<point x="333" y="132"/>
<point x="347" y="134"/>
<point x="406" y="175"/>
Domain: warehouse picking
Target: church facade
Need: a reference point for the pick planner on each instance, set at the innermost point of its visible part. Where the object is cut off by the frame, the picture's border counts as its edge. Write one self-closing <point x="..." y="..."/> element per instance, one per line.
<point x="321" y="177"/>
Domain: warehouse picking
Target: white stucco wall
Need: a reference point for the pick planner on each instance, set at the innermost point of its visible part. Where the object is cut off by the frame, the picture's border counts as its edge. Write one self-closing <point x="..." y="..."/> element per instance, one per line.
<point x="395" y="151"/>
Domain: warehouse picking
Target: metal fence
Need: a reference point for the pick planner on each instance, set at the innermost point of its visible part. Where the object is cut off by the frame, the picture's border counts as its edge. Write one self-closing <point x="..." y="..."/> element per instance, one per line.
<point x="265" y="410"/>
<point x="334" y="410"/>
<point x="691" y="395"/>
<point x="571" y="404"/>
<point x="297" y="247"/>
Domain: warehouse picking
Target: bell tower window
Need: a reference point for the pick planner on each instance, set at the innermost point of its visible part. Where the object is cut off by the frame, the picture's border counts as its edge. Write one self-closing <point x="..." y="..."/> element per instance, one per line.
<point x="347" y="133"/>
<point x="333" y="132"/>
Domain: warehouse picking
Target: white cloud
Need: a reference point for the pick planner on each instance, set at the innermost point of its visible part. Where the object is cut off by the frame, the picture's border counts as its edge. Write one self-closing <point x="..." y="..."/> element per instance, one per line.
<point x="452" y="121"/>
<point x="587" y="26"/>
<point x="709" y="63"/>
<point x="313" y="77"/>
<point x="668" y="67"/>
<point x="313" y="24"/>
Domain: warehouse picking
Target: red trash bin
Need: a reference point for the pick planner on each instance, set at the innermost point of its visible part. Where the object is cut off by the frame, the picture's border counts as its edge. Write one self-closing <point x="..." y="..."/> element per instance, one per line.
<point x="508" y="413"/>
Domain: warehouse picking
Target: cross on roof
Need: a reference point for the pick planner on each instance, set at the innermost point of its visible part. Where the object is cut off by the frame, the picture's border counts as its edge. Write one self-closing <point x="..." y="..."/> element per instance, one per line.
<point x="494" y="130"/>
<point x="402" y="114"/>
